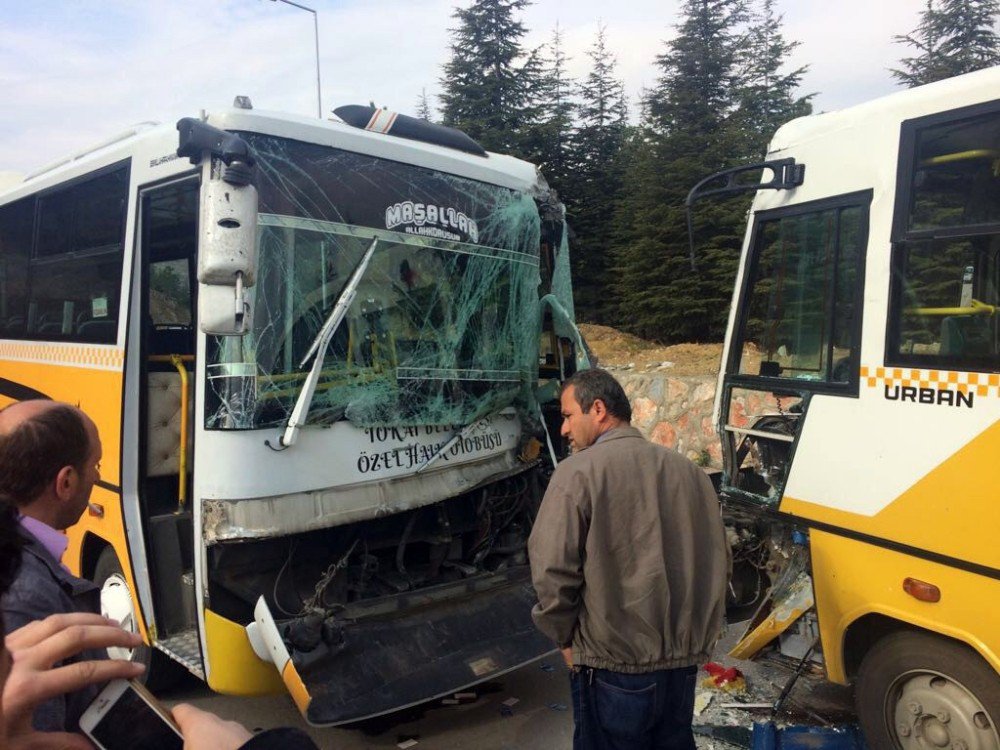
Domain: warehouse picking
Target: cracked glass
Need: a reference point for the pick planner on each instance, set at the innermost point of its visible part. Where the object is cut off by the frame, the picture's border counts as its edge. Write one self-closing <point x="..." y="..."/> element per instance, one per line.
<point x="444" y="326"/>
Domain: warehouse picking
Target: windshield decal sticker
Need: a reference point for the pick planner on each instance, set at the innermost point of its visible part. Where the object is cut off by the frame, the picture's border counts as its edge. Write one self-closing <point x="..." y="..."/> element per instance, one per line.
<point x="431" y="221"/>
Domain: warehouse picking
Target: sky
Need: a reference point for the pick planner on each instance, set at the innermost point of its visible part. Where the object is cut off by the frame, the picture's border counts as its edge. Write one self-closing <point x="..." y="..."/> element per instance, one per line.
<point x="73" y="73"/>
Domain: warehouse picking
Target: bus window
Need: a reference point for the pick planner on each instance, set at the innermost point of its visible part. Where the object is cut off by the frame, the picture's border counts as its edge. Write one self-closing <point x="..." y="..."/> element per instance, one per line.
<point x="804" y="281"/>
<point x="954" y="174"/>
<point x="170" y="292"/>
<point x="945" y="261"/>
<point x="944" y="311"/>
<point x="438" y="331"/>
<point x="75" y="299"/>
<point x="15" y="246"/>
<point x="76" y="267"/>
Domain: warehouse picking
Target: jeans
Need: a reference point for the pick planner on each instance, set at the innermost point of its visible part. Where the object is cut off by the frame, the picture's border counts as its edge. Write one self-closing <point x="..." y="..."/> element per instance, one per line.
<point x="617" y="711"/>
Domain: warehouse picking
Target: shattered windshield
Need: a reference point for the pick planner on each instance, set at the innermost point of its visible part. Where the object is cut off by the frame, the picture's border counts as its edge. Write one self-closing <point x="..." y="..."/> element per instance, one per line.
<point x="443" y="328"/>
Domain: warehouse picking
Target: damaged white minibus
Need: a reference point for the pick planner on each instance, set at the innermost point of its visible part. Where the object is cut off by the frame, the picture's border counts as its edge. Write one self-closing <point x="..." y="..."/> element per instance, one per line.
<point x="317" y="353"/>
<point x="859" y="408"/>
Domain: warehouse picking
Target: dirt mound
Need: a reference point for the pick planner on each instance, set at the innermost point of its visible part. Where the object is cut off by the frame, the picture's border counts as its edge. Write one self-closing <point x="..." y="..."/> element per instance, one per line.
<point x="623" y="351"/>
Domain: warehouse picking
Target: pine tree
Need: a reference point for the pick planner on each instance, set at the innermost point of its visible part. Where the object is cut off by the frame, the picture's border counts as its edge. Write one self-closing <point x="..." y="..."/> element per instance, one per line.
<point x="723" y="90"/>
<point x="556" y="115"/>
<point x="423" y="106"/>
<point x="767" y="94"/>
<point x="689" y="136"/>
<point x="953" y="37"/>
<point x="490" y="84"/>
<point x="596" y="178"/>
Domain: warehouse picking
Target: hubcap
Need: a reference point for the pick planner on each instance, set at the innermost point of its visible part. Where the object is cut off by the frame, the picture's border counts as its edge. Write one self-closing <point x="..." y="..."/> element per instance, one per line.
<point x="928" y="710"/>
<point x="116" y="603"/>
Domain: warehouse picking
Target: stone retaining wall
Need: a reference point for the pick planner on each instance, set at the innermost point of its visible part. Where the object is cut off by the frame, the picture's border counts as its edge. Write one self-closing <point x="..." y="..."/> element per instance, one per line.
<point x="675" y="412"/>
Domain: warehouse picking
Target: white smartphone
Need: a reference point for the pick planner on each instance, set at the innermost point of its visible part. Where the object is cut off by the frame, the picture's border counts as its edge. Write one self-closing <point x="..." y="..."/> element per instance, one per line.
<point x="125" y="716"/>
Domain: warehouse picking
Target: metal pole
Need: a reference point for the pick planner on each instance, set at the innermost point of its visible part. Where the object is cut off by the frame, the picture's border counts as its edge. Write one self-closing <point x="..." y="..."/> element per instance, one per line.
<point x="319" y="96"/>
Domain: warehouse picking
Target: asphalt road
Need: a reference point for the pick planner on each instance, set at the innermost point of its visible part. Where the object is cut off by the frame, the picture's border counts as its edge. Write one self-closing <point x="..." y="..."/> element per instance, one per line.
<point x="541" y="719"/>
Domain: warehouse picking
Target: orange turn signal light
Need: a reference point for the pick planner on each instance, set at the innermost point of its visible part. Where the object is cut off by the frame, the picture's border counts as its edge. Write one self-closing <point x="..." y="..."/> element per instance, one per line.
<point x="921" y="590"/>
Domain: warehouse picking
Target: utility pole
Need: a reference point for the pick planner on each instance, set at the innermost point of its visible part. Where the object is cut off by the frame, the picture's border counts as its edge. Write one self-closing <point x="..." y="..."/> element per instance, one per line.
<point x="319" y="96"/>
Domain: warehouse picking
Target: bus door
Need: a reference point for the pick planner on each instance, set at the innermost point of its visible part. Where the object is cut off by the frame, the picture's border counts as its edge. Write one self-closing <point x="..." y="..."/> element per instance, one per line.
<point x="166" y="329"/>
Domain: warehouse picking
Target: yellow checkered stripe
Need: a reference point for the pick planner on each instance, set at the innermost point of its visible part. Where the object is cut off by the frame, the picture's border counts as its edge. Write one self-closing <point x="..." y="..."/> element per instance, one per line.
<point x="91" y="356"/>
<point x="980" y="383"/>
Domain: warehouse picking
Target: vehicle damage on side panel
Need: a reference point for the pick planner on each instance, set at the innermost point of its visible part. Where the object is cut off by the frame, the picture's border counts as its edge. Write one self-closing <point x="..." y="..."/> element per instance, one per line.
<point x="795" y="335"/>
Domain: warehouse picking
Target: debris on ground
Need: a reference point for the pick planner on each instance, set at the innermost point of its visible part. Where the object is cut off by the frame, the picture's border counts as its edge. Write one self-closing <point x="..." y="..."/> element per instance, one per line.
<point x="546" y="667"/>
<point x="745" y="706"/>
<point x="407" y="743"/>
<point x="733" y="736"/>
<point x="726" y="679"/>
<point x="702" y="699"/>
<point x="507" y="706"/>
<point x="727" y="721"/>
<point x="557" y="706"/>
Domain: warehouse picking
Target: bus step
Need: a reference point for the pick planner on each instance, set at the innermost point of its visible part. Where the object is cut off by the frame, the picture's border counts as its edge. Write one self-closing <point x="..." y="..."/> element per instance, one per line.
<point x="186" y="649"/>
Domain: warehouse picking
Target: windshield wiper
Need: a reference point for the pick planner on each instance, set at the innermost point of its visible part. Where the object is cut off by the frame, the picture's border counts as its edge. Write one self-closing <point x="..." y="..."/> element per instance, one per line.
<point x="318" y="349"/>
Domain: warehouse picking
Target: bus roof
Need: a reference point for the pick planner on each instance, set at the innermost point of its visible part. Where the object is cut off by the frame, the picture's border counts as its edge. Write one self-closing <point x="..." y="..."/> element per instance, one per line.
<point x="858" y="148"/>
<point x="162" y="139"/>
<point x="889" y="111"/>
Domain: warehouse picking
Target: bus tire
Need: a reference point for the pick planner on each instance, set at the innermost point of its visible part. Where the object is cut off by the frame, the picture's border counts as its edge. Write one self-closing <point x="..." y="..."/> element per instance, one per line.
<point x="916" y="690"/>
<point x="116" y="602"/>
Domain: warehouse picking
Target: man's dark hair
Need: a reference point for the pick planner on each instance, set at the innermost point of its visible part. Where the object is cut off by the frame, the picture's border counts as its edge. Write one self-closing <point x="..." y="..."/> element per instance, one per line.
<point x="34" y="452"/>
<point x="591" y="385"/>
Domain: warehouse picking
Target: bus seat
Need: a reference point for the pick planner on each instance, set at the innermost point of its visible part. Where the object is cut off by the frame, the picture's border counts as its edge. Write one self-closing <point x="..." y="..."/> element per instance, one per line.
<point x="50" y="328"/>
<point x="103" y="330"/>
<point x="163" y="425"/>
<point x="968" y="335"/>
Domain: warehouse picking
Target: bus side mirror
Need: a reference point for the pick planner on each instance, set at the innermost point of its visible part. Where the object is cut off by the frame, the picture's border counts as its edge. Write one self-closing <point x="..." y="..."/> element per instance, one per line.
<point x="227" y="257"/>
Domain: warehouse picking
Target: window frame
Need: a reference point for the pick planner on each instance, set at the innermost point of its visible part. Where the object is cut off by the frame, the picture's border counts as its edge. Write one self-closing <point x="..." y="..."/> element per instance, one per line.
<point x="38" y="264"/>
<point x="26" y="203"/>
<point x="901" y="237"/>
<point x="861" y="199"/>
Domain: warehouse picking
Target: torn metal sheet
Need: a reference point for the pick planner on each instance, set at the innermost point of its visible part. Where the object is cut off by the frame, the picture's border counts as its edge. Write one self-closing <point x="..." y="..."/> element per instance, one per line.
<point x="787" y="607"/>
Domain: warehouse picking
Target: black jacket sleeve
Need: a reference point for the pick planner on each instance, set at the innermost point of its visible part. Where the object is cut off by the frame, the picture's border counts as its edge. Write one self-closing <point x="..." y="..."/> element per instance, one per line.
<point x="282" y="738"/>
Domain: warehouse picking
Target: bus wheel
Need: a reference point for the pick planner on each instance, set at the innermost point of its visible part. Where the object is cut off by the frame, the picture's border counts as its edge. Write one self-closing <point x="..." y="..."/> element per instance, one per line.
<point x="920" y="691"/>
<point x="116" y="602"/>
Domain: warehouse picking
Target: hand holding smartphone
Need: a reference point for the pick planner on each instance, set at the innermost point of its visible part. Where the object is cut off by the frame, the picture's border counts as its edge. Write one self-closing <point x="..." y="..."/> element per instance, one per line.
<point x="125" y="716"/>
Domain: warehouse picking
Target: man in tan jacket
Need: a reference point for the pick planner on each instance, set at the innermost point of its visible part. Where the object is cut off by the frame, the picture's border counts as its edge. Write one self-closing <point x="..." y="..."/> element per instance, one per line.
<point x="630" y="564"/>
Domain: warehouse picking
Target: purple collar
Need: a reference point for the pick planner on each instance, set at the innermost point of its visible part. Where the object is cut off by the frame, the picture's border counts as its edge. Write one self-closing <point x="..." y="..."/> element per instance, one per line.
<point x="54" y="541"/>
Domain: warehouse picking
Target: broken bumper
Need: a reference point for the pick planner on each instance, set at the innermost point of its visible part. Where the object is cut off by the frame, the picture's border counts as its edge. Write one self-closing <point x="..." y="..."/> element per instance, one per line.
<point x="388" y="663"/>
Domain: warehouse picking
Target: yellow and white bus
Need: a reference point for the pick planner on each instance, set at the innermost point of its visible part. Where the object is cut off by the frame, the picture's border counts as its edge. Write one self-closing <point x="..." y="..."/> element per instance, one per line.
<point x="859" y="408"/>
<point x="312" y="352"/>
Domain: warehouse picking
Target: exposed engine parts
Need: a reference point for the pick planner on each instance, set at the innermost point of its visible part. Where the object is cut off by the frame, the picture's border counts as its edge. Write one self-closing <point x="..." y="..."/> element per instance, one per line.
<point x="324" y="579"/>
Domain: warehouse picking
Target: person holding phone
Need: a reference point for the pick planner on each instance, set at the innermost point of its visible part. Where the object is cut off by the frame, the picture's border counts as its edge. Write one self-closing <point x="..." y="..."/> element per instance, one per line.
<point x="33" y="658"/>
<point x="40" y="662"/>
<point x="29" y="677"/>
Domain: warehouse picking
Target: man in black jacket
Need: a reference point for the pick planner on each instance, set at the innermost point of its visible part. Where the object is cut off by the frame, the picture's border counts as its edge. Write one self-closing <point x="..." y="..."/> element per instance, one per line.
<point x="44" y="661"/>
<point x="49" y="462"/>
